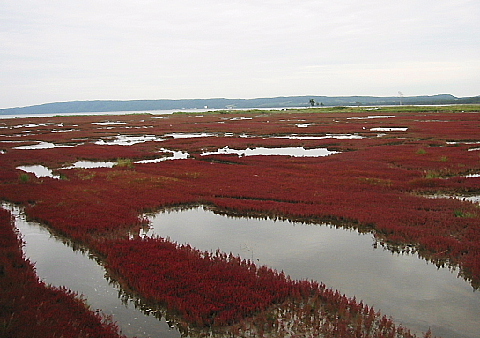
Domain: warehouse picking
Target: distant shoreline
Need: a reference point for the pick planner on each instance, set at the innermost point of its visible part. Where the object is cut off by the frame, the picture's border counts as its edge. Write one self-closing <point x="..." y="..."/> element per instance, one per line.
<point x="131" y="106"/>
<point x="128" y="112"/>
<point x="202" y="111"/>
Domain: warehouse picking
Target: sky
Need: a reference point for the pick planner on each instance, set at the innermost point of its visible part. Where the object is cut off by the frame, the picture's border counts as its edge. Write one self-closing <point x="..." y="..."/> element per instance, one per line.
<point x="67" y="50"/>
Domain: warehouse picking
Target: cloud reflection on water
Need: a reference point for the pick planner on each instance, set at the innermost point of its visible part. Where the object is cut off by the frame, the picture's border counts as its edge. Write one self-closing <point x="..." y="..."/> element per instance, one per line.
<point x="414" y="292"/>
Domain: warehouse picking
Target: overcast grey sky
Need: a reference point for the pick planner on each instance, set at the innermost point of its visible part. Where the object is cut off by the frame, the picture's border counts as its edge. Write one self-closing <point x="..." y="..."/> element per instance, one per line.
<point x="62" y="50"/>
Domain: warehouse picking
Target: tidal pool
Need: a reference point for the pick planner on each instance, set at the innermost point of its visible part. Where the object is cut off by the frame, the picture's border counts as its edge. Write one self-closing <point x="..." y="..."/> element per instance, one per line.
<point x="43" y="145"/>
<point x="188" y="135"/>
<point x="107" y="123"/>
<point x="414" y="292"/>
<point x="473" y="198"/>
<point x="288" y="151"/>
<point x="389" y="129"/>
<point x="370" y="117"/>
<point x="327" y="136"/>
<point x="128" y="140"/>
<point x="38" y="171"/>
<point x="175" y="155"/>
<point x="91" y="165"/>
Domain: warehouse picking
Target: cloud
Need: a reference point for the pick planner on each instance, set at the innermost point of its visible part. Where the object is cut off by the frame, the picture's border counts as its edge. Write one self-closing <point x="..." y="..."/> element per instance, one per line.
<point x="185" y="49"/>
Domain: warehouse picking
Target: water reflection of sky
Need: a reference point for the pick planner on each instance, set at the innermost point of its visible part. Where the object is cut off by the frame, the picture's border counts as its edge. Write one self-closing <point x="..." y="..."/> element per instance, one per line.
<point x="38" y="170"/>
<point x="58" y="265"/>
<point x="411" y="290"/>
<point x="389" y="129"/>
<point x="414" y="292"/>
<point x="323" y="137"/>
<point x="128" y="140"/>
<point x="43" y="145"/>
<point x="370" y="117"/>
<point x="91" y="164"/>
<point x="287" y="151"/>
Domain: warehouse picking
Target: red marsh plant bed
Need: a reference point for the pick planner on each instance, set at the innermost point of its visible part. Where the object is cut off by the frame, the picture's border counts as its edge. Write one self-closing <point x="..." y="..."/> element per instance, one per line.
<point x="216" y="289"/>
<point x="374" y="185"/>
<point x="29" y="308"/>
<point x="57" y="157"/>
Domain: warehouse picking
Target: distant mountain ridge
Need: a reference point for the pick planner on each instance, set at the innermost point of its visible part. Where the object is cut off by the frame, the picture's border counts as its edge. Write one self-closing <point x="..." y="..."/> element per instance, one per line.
<point x="222" y="103"/>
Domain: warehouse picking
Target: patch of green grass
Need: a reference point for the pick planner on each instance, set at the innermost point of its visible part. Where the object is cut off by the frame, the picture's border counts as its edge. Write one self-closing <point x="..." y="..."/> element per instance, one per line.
<point x="462" y="214"/>
<point x="24" y="178"/>
<point x="85" y="174"/>
<point x="124" y="162"/>
<point x="361" y="108"/>
<point x="433" y="174"/>
<point x="421" y="151"/>
<point x="61" y="176"/>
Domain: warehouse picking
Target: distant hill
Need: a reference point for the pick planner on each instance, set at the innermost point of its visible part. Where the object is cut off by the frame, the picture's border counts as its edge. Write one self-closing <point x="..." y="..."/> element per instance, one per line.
<point x="222" y="103"/>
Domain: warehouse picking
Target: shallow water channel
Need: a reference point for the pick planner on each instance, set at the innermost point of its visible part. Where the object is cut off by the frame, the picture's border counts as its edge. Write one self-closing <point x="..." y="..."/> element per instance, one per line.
<point x="414" y="292"/>
<point x="59" y="265"/>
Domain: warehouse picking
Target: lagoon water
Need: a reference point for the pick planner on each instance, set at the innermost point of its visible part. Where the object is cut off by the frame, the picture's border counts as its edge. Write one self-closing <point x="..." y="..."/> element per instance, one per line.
<point x="288" y="151"/>
<point x="38" y="170"/>
<point x="414" y="292"/>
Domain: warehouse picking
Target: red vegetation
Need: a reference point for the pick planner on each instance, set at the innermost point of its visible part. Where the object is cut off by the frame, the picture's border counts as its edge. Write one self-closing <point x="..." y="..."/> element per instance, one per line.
<point x="29" y="308"/>
<point x="207" y="289"/>
<point x="375" y="185"/>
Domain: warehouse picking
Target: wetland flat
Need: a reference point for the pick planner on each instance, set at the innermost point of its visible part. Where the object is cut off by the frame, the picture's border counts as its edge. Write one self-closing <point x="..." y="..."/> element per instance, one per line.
<point x="340" y="204"/>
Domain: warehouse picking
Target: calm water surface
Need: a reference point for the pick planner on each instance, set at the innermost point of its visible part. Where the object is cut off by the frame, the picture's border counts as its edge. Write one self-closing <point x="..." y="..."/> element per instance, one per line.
<point x="58" y="265"/>
<point x="415" y="293"/>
